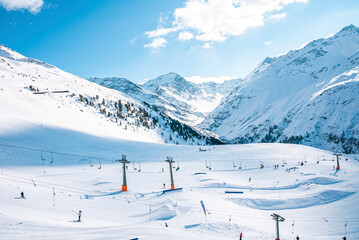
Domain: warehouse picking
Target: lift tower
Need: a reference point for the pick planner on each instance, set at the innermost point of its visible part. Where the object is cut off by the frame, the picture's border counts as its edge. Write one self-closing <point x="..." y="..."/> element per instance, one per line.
<point x="124" y="161"/>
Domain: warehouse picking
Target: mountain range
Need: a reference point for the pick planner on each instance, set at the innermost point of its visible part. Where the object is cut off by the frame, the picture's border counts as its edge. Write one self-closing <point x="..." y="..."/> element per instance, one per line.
<point x="306" y="96"/>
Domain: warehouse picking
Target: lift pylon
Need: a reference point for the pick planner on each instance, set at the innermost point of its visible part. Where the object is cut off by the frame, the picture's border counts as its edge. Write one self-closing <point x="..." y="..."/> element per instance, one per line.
<point x="124" y="161"/>
<point x="170" y="161"/>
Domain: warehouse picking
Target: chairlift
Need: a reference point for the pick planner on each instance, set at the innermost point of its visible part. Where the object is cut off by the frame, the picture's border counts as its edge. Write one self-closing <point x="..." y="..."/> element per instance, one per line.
<point x="177" y="166"/>
<point x="206" y="163"/>
<point x="91" y="165"/>
<point x="52" y="158"/>
<point x="139" y="167"/>
<point x="42" y="156"/>
<point x="234" y="165"/>
<point x="99" y="161"/>
<point x="240" y="165"/>
<point x="210" y="165"/>
<point x="134" y="168"/>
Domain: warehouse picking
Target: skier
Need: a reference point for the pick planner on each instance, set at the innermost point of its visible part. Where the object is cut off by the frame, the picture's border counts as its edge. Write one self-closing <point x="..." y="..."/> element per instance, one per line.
<point x="249" y="180"/>
<point x="166" y="224"/>
<point x="240" y="236"/>
<point x="22" y="195"/>
<point x="344" y="238"/>
<point x="297" y="238"/>
<point x="164" y="185"/>
<point x="80" y="213"/>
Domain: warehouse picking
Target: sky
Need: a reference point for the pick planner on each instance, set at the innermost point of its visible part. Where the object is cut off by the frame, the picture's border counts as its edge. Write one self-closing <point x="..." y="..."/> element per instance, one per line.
<point x="143" y="39"/>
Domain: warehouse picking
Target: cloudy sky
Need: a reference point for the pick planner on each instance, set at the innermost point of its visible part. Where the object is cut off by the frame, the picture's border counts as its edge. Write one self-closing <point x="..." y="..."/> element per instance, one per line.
<point x="142" y="39"/>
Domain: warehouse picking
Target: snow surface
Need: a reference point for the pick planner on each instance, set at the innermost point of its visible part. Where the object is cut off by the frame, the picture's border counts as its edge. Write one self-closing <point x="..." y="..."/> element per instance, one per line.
<point x="317" y="199"/>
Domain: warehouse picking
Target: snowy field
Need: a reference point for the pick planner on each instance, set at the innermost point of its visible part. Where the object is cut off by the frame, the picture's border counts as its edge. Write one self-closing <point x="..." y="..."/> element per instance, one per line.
<point x="315" y="200"/>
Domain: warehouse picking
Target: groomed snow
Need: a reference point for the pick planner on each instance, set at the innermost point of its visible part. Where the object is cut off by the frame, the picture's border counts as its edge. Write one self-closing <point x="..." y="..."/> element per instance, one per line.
<point x="317" y="199"/>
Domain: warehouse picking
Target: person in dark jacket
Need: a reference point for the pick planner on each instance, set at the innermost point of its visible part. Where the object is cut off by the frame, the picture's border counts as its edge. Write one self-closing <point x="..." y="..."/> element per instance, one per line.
<point x="80" y="213"/>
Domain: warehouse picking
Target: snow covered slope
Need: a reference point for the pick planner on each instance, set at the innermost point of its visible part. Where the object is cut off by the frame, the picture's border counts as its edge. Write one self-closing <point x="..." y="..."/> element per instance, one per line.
<point x="312" y="194"/>
<point x="307" y="96"/>
<point x="33" y="94"/>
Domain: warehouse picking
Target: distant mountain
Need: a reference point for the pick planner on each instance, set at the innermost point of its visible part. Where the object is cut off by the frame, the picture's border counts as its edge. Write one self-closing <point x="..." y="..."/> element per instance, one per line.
<point x="183" y="100"/>
<point x="307" y="96"/>
<point x="197" y="100"/>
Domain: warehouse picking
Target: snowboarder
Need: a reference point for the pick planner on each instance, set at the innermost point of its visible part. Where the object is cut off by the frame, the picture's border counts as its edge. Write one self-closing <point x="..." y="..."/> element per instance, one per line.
<point x="22" y="195"/>
<point x="240" y="236"/>
<point x="80" y="213"/>
<point x="297" y="238"/>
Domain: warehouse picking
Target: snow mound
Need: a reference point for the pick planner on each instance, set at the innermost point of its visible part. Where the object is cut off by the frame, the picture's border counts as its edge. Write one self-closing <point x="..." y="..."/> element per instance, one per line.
<point x="218" y="229"/>
<point x="165" y="212"/>
<point x="324" y="197"/>
<point x="316" y="181"/>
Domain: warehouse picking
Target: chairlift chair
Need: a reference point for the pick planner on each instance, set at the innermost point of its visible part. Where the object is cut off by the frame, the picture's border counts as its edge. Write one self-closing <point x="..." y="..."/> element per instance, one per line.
<point x="52" y="158"/>
<point x="99" y="161"/>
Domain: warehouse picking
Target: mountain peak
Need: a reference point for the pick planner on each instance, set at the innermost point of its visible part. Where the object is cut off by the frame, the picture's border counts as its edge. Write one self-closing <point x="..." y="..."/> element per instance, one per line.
<point x="9" y="53"/>
<point x="349" y="28"/>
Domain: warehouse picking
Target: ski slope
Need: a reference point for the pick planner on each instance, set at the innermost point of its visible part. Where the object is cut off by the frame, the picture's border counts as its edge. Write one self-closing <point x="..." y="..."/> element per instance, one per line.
<point x="315" y="200"/>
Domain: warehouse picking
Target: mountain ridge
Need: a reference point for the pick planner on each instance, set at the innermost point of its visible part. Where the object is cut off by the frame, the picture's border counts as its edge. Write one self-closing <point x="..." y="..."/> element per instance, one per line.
<point x="271" y="103"/>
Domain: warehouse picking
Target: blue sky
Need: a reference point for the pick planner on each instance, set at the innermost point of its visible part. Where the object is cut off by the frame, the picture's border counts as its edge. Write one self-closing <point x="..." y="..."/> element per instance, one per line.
<point x="142" y="39"/>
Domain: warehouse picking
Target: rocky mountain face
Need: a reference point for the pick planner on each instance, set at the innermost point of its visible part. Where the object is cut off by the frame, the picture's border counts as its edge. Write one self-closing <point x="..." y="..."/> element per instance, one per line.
<point x="307" y="96"/>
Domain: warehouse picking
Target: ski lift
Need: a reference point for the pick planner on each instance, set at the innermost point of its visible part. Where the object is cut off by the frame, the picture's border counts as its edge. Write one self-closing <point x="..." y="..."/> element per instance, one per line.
<point x="177" y="166"/>
<point x="206" y="164"/>
<point x="139" y="167"/>
<point x="99" y="161"/>
<point x="42" y="156"/>
<point x="240" y="165"/>
<point x="52" y="158"/>
<point x="134" y="168"/>
<point x="91" y="165"/>
<point x="234" y="165"/>
<point x="210" y="165"/>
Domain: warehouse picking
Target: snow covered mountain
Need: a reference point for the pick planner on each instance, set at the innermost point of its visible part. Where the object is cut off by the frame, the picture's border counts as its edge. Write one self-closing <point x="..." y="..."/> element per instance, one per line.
<point x="183" y="100"/>
<point x="307" y="96"/>
<point x="197" y="99"/>
<point x="37" y="95"/>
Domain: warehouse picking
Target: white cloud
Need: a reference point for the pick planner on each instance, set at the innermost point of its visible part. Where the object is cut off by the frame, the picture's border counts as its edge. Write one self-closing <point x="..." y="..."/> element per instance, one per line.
<point x="33" y="6"/>
<point x="184" y="36"/>
<point x="156" y="43"/>
<point x="268" y="43"/>
<point x="277" y="16"/>
<point x="217" y="20"/>
<point x="207" y="45"/>
<point x="160" y="32"/>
